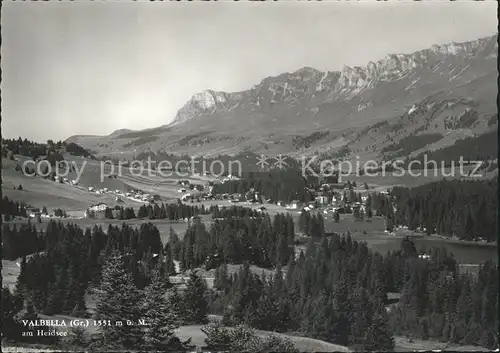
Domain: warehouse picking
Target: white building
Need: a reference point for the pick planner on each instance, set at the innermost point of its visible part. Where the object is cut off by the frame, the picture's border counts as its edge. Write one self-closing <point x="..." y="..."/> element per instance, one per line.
<point x="293" y="205"/>
<point x="322" y="200"/>
<point x="98" y="207"/>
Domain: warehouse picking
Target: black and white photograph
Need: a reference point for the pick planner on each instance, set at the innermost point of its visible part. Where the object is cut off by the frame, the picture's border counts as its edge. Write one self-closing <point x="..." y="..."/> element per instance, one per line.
<point x="249" y="176"/>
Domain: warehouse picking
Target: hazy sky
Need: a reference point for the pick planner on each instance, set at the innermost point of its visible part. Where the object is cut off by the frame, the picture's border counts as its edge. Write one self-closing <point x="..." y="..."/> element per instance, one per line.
<point x="91" y="68"/>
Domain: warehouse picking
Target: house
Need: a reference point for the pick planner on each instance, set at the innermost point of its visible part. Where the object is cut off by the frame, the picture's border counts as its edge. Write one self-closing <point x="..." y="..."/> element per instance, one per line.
<point x="293" y="205"/>
<point x="185" y="197"/>
<point x="229" y="178"/>
<point x="182" y="190"/>
<point x="32" y="212"/>
<point x="322" y="200"/>
<point x="99" y="207"/>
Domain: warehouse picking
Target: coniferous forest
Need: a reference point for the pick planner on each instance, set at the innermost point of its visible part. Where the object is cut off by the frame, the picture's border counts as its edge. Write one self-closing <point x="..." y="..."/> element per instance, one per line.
<point x="336" y="290"/>
<point x="465" y="209"/>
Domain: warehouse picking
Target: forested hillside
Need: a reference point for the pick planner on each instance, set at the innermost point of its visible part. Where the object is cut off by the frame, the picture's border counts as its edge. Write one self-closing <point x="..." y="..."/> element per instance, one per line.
<point x="481" y="148"/>
<point x="337" y="291"/>
<point x="464" y="209"/>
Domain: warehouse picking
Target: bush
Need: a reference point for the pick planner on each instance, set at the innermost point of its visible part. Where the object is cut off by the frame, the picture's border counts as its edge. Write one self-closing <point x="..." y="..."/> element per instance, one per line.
<point x="243" y="339"/>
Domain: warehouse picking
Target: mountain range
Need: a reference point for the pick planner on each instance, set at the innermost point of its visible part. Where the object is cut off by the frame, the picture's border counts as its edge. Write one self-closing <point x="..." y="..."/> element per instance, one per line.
<point x="448" y="91"/>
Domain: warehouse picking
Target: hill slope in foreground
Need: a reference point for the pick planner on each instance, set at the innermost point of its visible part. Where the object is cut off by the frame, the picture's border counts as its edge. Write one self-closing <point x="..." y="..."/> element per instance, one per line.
<point x="448" y="90"/>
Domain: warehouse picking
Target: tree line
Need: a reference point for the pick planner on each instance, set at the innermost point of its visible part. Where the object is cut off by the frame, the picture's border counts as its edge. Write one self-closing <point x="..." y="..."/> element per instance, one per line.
<point x="462" y="208"/>
<point x="14" y="208"/>
<point x="477" y="148"/>
<point x="32" y="149"/>
<point x="259" y="240"/>
<point x="127" y="271"/>
<point x="337" y="291"/>
<point x="172" y="212"/>
<point x="283" y="185"/>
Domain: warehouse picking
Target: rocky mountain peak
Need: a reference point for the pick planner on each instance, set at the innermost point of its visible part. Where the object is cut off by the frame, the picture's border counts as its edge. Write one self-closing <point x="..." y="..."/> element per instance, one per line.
<point x="202" y="102"/>
<point x="307" y="82"/>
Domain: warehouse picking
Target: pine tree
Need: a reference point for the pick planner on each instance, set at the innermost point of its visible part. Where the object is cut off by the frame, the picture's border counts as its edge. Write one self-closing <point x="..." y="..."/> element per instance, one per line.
<point x="369" y="213"/>
<point x="378" y="336"/>
<point x="31" y="315"/>
<point x="54" y="299"/>
<point x="161" y="318"/>
<point x="79" y="337"/>
<point x="195" y="300"/>
<point x="169" y="261"/>
<point x="11" y="305"/>
<point x="117" y="299"/>
<point x="356" y="214"/>
<point x="177" y="304"/>
<point x="80" y="309"/>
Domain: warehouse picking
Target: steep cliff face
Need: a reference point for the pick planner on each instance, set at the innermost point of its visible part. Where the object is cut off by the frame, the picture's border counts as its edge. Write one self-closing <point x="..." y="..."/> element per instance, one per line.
<point x="310" y="84"/>
<point x="270" y="115"/>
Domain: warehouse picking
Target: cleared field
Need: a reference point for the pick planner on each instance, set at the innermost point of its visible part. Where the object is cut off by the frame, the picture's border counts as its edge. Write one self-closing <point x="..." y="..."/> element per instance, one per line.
<point x="465" y="253"/>
<point x="419" y="177"/>
<point x="162" y="225"/>
<point x="403" y="344"/>
<point x="272" y="209"/>
<point x="302" y="343"/>
<point x="40" y="192"/>
<point x="347" y="223"/>
<point x="28" y="349"/>
<point x="373" y="234"/>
